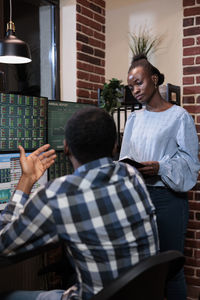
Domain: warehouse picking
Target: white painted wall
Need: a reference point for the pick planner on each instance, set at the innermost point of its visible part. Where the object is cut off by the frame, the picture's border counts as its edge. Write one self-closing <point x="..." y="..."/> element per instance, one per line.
<point x="68" y="50"/>
<point x="163" y="17"/>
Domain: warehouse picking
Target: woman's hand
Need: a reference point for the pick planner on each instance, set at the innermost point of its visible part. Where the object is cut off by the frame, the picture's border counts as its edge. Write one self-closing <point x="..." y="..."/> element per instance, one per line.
<point x="34" y="166"/>
<point x="151" y="168"/>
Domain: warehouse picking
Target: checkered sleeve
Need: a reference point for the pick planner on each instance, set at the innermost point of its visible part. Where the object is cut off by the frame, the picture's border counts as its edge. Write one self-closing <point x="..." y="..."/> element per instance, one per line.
<point x="26" y="223"/>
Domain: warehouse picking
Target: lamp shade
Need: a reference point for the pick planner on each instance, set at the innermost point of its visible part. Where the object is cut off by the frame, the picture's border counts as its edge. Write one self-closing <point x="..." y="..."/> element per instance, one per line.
<point x="13" y="50"/>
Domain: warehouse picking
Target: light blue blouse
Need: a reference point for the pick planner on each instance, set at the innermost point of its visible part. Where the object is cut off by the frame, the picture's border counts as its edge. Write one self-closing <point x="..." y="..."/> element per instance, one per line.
<point x="168" y="137"/>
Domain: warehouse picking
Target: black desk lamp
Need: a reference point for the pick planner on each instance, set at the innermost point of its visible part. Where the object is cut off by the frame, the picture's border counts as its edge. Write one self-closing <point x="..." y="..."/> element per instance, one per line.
<point x="13" y="50"/>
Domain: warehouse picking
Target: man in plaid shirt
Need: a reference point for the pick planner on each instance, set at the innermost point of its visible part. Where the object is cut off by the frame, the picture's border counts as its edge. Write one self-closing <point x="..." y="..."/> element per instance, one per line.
<point x="102" y="212"/>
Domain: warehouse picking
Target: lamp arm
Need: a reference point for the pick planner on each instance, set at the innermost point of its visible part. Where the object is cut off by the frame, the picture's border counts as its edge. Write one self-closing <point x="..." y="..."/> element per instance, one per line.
<point x="10" y="10"/>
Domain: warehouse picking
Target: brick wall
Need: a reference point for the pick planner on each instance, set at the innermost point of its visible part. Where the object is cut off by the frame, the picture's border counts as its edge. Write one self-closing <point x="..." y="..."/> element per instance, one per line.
<point x="90" y="17"/>
<point x="191" y="102"/>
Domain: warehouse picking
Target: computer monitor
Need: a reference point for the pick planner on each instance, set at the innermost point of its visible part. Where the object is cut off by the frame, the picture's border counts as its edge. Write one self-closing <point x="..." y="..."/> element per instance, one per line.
<point x="58" y="114"/>
<point x="23" y="121"/>
<point x="10" y="173"/>
<point x="61" y="167"/>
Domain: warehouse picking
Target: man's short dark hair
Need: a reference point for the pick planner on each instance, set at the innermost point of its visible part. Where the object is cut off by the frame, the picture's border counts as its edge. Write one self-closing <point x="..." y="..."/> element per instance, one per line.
<point x="90" y="134"/>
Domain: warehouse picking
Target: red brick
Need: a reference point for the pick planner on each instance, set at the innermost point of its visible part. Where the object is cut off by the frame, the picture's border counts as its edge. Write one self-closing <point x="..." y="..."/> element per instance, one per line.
<point x="188" y="251"/>
<point x="193" y="224"/>
<point x="82" y="75"/>
<point x="188" y="42"/>
<point x="193" y="261"/>
<point x="197" y="79"/>
<point x="197" y="20"/>
<point x="98" y="86"/>
<point x="197" y="60"/>
<point x="188" y="80"/>
<point x="78" y="8"/>
<point x="96" y="43"/>
<point x="96" y="25"/>
<point x="83" y="2"/>
<point x="197" y="196"/>
<point x="188" y="22"/>
<point x="191" y="31"/>
<point x="191" y="215"/>
<point x="99" y="70"/>
<point x="99" y="18"/>
<point x="194" y="205"/>
<point x="188" y="2"/>
<point x="197" y="215"/>
<point x="85" y="21"/>
<point x="82" y="37"/>
<point x="198" y="40"/>
<point x="94" y="95"/>
<point x="95" y="78"/>
<point x="103" y="63"/>
<point x="102" y="79"/>
<point x="192" y="11"/>
<point x="191" y="235"/>
<point x="191" y="51"/>
<point x="86" y="12"/>
<point x="87" y="30"/>
<point x="190" y="193"/>
<point x="191" y="70"/>
<point x="87" y="58"/>
<point x="192" y="108"/>
<point x="78" y="27"/>
<point x="87" y="49"/>
<point x="189" y="271"/>
<point x="85" y="66"/>
<point x="100" y="3"/>
<point x="88" y="22"/>
<point x="99" y="36"/>
<point x="83" y="93"/>
<point x="78" y="46"/>
<point x="84" y="84"/>
<point x="188" y="61"/>
<point x="99" y="53"/>
<point x="195" y="281"/>
<point x="198" y="235"/>
<point x="95" y="8"/>
<point x="188" y="99"/>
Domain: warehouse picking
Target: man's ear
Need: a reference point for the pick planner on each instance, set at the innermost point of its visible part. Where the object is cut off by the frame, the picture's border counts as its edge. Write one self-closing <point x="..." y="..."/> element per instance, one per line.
<point x="66" y="148"/>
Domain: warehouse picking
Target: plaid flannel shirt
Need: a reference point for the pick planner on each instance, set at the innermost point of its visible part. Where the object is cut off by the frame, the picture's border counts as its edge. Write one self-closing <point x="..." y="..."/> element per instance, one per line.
<point x="103" y="214"/>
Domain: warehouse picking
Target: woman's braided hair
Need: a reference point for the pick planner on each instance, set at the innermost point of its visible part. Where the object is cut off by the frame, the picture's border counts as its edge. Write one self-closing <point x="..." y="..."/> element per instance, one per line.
<point x="141" y="60"/>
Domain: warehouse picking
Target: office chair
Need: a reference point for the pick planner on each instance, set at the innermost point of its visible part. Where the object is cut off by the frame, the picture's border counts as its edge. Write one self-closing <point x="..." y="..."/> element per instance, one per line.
<point x="145" y="280"/>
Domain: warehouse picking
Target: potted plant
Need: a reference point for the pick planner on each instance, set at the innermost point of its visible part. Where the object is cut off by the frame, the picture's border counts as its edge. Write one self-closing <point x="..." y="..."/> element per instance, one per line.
<point x="144" y="42"/>
<point x="112" y="95"/>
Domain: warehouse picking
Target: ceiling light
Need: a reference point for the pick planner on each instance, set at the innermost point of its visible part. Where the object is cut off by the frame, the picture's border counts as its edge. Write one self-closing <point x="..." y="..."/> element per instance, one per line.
<point x="13" y="50"/>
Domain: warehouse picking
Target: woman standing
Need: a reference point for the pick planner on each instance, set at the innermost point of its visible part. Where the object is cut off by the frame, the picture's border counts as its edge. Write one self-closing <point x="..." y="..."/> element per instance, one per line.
<point x="162" y="136"/>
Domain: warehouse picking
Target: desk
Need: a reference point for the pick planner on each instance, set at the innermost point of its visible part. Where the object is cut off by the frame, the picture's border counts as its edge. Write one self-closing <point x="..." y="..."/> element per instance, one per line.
<point x="21" y="271"/>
